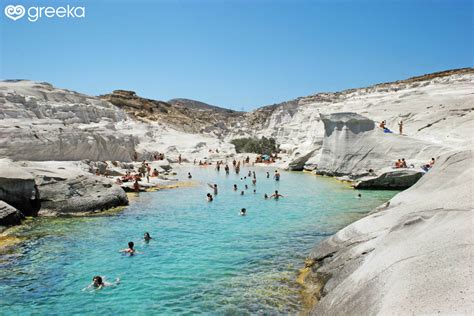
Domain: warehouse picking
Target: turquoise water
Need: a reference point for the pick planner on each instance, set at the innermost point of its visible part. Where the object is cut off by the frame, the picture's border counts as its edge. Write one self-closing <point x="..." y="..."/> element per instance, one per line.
<point x="203" y="258"/>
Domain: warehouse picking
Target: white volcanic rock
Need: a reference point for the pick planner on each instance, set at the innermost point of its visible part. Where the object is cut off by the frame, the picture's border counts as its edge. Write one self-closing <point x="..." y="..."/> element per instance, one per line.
<point x="434" y="108"/>
<point x="412" y="257"/>
<point x="17" y="188"/>
<point x="65" y="188"/>
<point x="40" y="122"/>
<point x="353" y="144"/>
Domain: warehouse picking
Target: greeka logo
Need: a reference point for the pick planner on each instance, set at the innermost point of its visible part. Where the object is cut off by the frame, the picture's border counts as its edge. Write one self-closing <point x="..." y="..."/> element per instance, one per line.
<point x="16" y="12"/>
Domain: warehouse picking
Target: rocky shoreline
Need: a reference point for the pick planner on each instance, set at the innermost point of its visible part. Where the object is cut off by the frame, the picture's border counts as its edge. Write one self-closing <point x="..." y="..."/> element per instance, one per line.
<point x="409" y="256"/>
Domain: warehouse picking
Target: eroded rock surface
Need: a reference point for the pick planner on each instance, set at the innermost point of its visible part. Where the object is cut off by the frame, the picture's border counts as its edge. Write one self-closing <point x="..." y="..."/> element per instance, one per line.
<point x="18" y="188"/>
<point x="411" y="256"/>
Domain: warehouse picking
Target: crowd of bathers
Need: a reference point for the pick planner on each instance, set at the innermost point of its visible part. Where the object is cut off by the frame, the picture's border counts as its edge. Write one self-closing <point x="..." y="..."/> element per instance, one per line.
<point x="144" y="170"/>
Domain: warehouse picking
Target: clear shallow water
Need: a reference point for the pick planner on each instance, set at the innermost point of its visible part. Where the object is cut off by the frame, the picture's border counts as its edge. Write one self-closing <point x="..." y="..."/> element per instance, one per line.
<point x="203" y="258"/>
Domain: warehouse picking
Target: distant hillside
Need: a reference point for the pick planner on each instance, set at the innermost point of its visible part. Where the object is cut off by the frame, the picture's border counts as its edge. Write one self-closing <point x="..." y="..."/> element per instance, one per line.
<point x="198" y="105"/>
<point x="186" y="115"/>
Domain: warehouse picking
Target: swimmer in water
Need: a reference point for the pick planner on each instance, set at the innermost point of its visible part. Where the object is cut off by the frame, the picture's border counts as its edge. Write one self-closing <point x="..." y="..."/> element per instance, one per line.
<point x="235" y="187"/>
<point x="254" y="191"/>
<point x="209" y="197"/>
<point x="99" y="283"/>
<point x="276" y="195"/>
<point x="265" y="196"/>
<point x="130" y="250"/>
<point x="359" y="196"/>
<point x="242" y="192"/>
<point x="276" y="176"/>
<point x="243" y="212"/>
<point x="268" y="174"/>
<point x="246" y="187"/>
<point x="213" y="187"/>
<point x="147" y="237"/>
<point x="189" y="175"/>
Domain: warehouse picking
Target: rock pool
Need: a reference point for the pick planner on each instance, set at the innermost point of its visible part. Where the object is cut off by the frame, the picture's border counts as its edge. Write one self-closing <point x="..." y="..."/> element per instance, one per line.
<point x="203" y="258"/>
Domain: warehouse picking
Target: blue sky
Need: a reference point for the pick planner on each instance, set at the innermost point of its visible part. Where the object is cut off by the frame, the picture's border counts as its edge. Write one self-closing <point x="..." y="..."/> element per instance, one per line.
<point x="239" y="54"/>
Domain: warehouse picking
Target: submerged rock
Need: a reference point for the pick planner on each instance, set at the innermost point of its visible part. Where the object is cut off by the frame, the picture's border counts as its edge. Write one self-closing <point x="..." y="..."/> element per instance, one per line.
<point x="9" y="215"/>
<point x="394" y="179"/>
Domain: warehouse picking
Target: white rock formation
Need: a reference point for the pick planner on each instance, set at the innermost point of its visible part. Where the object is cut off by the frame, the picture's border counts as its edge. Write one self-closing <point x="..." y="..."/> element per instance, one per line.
<point x="436" y="108"/>
<point x="412" y="257"/>
<point x="353" y="144"/>
<point x="65" y="188"/>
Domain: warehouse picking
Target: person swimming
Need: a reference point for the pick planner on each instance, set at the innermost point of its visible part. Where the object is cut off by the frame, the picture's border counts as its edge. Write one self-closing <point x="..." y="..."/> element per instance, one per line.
<point x="226" y="168"/>
<point x="189" y="175"/>
<point x="254" y="181"/>
<point x="246" y="187"/>
<point x="359" y="196"/>
<point x="276" y="195"/>
<point x="242" y="192"/>
<point x="147" y="236"/>
<point x="268" y="175"/>
<point x="243" y="212"/>
<point x="254" y="191"/>
<point x="130" y="250"/>
<point x="209" y="197"/>
<point x="235" y="187"/>
<point x="99" y="283"/>
<point x="265" y="196"/>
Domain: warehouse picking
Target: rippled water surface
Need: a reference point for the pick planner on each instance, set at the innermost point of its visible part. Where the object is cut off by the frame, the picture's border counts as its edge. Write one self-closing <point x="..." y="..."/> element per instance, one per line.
<point x="203" y="258"/>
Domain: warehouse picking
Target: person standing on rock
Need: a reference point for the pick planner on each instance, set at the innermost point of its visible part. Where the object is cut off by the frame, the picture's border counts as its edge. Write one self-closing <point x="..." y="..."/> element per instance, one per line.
<point x="179" y="159"/>
<point x="400" y="127"/>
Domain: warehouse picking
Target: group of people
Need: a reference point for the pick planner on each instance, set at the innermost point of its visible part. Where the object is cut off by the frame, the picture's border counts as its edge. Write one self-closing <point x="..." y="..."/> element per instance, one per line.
<point x="401" y="163"/>
<point x="383" y="125"/>
<point x="251" y="174"/>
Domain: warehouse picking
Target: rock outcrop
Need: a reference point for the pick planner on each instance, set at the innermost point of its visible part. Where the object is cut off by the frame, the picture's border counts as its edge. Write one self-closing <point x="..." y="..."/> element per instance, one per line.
<point x="18" y="188"/>
<point x="353" y="144"/>
<point x="39" y="122"/>
<point x="9" y="215"/>
<point x="411" y="256"/>
<point x="394" y="179"/>
<point x="67" y="190"/>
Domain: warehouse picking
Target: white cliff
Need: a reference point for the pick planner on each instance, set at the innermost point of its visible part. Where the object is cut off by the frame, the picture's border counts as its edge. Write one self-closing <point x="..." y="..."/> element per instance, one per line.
<point x="436" y="108"/>
<point x="411" y="256"/>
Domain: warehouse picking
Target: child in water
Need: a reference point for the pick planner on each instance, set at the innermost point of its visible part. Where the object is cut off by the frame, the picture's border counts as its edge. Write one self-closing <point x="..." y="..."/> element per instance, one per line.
<point x="209" y="197"/>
